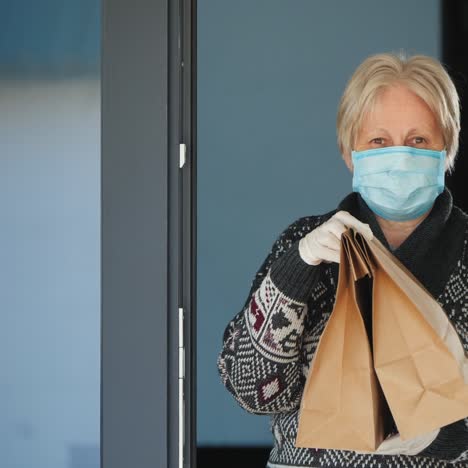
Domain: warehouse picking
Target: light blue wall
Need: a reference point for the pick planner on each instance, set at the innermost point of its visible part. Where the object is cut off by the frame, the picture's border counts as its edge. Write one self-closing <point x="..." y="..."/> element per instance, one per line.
<point x="49" y="275"/>
<point x="270" y="75"/>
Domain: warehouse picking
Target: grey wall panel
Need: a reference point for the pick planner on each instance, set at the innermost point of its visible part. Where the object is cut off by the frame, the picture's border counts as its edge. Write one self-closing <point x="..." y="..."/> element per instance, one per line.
<point x="135" y="234"/>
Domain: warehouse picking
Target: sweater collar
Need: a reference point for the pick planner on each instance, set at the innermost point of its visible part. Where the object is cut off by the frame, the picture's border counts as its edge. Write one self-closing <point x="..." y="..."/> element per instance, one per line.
<point x="413" y="250"/>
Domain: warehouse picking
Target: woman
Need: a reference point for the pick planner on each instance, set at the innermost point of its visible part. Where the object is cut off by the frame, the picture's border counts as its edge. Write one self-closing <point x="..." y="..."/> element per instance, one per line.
<point x="398" y="125"/>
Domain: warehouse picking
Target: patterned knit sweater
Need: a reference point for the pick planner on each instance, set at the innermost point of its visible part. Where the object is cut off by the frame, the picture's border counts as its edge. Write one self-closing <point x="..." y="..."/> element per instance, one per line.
<point x="269" y="344"/>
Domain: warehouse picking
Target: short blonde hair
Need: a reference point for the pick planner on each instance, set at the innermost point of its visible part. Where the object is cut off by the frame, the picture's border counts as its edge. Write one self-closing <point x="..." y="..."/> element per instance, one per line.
<point x="423" y="75"/>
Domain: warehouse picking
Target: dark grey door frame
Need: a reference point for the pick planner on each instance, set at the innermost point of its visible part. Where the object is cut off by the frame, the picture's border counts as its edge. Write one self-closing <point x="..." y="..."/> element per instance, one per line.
<point x="148" y="241"/>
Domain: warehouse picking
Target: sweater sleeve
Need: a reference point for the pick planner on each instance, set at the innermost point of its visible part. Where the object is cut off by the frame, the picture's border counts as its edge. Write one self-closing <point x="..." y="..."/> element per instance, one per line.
<point x="450" y="445"/>
<point x="259" y="362"/>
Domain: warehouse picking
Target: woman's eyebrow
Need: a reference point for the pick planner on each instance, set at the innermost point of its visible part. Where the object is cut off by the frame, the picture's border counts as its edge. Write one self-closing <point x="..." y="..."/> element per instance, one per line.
<point x="419" y="130"/>
<point x="378" y="129"/>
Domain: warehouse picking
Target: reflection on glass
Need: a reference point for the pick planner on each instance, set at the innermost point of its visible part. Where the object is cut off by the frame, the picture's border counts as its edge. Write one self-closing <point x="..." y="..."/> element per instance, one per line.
<point x="50" y="234"/>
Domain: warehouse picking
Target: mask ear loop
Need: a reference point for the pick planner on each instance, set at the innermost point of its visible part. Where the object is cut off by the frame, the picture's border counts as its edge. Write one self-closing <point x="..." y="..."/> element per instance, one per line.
<point x="444" y="168"/>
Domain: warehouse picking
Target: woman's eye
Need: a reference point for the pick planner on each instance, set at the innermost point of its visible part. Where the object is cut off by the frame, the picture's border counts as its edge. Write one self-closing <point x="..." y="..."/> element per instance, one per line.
<point x="419" y="140"/>
<point x="377" y="141"/>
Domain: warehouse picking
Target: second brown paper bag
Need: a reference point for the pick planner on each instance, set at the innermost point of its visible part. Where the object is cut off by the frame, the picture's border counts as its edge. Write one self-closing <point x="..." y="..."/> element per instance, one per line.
<point x="388" y="354"/>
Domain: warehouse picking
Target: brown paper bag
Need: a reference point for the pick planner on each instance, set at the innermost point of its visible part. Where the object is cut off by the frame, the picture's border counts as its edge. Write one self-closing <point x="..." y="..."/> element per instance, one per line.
<point x="418" y="355"/>
<point x="388" y="345"/>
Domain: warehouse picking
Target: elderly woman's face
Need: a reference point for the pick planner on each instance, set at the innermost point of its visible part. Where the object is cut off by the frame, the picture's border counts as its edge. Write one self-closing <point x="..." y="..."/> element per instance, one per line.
<point x="399" y="118"/>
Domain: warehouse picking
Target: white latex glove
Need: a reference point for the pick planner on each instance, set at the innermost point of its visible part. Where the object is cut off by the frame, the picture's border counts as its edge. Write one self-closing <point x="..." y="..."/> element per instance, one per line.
<point x="323" y="243"/>
<point x="395" y="446"/>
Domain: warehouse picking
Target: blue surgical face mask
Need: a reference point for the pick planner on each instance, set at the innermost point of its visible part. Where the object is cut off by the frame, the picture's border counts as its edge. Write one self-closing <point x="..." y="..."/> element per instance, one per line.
<point x="399" y="182"/>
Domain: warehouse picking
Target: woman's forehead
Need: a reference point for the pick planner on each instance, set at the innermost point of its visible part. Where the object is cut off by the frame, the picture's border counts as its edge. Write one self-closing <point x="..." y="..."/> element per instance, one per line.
<point x="399" y="107"/>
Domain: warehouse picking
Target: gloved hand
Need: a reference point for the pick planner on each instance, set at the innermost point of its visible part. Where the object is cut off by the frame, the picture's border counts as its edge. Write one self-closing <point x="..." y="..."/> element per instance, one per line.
<point x="323" y="243"/>
<point x="395" y="446"/>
